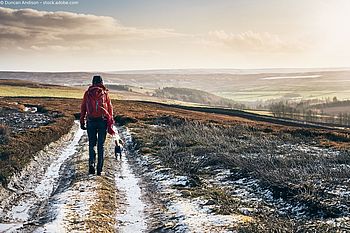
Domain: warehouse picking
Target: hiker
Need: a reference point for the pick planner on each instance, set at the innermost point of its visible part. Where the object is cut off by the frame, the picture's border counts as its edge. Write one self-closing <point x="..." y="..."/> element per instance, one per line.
<point x="97" y="108"/>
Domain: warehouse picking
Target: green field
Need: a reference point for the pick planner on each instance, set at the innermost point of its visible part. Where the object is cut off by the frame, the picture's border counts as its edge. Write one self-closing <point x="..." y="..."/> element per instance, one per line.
<point x="75" y="93"/>
<point x="44" y="92"/>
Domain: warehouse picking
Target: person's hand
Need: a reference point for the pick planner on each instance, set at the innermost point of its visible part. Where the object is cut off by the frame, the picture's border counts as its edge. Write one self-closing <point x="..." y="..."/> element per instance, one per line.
<point x="82" y="126"/>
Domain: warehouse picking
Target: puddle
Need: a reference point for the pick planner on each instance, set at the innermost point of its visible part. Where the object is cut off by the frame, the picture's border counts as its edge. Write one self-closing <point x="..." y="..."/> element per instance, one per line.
<point x="132" y="219"/>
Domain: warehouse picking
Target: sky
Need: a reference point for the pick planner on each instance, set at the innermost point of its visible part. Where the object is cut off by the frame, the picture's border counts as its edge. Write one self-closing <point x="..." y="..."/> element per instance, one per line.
<point x="112" y="35"/>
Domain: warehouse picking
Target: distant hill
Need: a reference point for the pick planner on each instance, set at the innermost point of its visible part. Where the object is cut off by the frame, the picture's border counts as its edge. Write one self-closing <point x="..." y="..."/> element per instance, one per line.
<point x="229" y="71"/>
<point x="195" y="96"/>
<point x="25" y="83"/>
<point x="239" y="85"/>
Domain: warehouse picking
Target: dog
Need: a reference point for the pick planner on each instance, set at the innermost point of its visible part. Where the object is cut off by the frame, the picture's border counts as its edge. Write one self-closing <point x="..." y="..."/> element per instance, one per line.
<point x="118" y="149"/>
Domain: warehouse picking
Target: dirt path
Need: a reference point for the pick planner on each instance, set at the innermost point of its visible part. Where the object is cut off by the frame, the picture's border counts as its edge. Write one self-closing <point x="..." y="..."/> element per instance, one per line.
<point x="56" y="194"/>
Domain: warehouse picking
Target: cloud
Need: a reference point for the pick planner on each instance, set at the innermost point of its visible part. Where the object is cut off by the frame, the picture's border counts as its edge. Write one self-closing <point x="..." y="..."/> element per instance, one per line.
<point x="253" y="42"/>
<point x="33" y="29"/>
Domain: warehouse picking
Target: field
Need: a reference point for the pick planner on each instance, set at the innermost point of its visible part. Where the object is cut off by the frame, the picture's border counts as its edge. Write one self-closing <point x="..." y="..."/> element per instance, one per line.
<point x="245" y="86"/>
<point x="336" y="110"/>
<point x="198" y="171"/>
<point x="18" y="88"/>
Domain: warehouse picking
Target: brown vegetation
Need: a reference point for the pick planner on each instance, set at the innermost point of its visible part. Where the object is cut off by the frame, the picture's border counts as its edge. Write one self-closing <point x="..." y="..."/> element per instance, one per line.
<point x="290" y="162"/>
<point x="189" y="141"/>
<point x="154" y="113"/>
<point x="21" y="147"/>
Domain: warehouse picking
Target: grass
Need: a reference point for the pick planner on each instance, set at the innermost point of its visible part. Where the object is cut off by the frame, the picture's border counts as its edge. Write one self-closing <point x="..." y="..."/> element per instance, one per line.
<point x="226" y="203"/>
<point x="56" y="92"/>
<point x="30" y="89"/>
<point x="40" y="92"/>
<point x="293" y="166"/>
<point x="260" y="112"/>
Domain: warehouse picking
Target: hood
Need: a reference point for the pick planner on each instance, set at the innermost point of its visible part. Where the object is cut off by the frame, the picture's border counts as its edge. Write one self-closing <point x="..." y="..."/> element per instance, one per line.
<point x="97" y="90"/>
<point x="99" y="85"/>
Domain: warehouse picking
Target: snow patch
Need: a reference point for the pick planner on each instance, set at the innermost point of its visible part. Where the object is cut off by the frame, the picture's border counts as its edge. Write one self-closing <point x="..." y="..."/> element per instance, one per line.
<point x="30" y="109"/>
<point x="10" y="227"/>
<point x="197" y="217"/>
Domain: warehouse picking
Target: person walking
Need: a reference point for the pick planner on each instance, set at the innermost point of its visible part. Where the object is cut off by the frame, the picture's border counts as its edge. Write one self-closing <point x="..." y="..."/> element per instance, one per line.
<point x="97" y="111"/>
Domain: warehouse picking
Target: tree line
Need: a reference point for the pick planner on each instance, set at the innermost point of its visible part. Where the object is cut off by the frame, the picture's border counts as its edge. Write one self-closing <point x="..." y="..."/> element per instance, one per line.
<point x="306" y="111"/>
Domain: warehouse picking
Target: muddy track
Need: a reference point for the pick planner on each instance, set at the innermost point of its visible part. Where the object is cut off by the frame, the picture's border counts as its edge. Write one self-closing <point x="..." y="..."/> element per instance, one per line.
<point x="56" y="194"/>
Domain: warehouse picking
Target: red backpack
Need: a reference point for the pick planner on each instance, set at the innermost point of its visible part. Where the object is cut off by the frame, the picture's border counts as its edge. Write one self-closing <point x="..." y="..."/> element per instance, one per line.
<point x="96" y="102"/>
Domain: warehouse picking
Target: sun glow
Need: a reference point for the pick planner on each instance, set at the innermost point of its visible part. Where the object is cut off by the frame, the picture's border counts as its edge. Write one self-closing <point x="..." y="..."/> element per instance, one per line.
<point x="334" y="33"/>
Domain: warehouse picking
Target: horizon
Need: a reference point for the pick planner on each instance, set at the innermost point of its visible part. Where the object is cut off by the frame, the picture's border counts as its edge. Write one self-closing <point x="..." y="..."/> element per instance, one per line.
<point x="281" y="69"/>
<point x="134" y="35"/>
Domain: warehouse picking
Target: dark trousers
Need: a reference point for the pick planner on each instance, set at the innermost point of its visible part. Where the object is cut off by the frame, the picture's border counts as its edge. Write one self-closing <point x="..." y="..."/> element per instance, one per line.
<point x="97" y="131"/>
